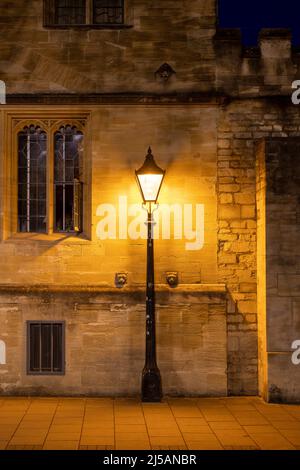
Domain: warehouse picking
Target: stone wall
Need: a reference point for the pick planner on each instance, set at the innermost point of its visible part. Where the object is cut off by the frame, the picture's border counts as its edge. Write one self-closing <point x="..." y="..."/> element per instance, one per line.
<point x="266" y="70"/>
<point x="183" y="139"/>
<point x="203" y="125"/>
<point x="224" y="183"/>
<point x="242" y="123"/>
<point x="35" y="59"/>
<point x="105" y="334"/>
<point x="278" y="180"/>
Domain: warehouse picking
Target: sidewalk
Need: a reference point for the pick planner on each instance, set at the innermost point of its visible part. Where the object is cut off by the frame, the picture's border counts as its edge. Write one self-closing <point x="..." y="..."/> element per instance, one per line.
<point x="107" y="423"/>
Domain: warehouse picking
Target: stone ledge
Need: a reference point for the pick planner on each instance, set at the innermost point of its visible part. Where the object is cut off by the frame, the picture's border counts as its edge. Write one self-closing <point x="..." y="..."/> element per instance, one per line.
<point x="116" y="98"/>
<point x="193" y="294"/>
<point x="88" y="27"/>
<point x="105" y="289"/>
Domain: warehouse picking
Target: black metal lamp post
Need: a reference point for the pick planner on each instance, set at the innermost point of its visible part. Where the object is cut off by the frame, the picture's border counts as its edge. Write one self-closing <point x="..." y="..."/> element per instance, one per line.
<point x="150" y="178"/>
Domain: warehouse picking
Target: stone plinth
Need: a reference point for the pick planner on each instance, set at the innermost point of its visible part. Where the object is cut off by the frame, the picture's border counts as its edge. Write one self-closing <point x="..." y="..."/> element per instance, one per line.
<point x="105" y="334"/>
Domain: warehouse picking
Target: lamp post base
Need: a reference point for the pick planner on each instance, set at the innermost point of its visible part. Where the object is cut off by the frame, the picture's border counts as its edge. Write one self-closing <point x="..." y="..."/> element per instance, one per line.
<point x="151" y="386"/>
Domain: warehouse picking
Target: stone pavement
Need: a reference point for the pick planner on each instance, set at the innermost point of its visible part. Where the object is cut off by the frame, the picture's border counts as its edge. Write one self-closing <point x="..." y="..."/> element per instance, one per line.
<point x="107" y="423"/>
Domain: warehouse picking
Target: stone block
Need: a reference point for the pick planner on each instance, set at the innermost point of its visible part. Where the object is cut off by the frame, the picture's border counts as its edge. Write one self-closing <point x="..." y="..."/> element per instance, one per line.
<point x="246" y="287"/>
<point x="251" y="318"/>
<point x="235" y="318"/>
<point x="229" y="188"/>
<point x="227" y="258"/>
<point x="233" y="344"/>
<point x="248" y="212"/>
<point x="229" y="211"/>
<point x="231" y="306"/>
<point x="243" y="247"/>
<point x="275" y="43"/>
<point x="224" y="143"/>
<point x="226" y="198"/>
<point x="244" y="198"/>
<point x="247" y="306"/>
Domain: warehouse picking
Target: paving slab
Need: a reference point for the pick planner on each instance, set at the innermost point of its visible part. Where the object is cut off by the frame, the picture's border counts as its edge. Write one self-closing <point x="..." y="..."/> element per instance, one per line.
<point x="235" y="423"/>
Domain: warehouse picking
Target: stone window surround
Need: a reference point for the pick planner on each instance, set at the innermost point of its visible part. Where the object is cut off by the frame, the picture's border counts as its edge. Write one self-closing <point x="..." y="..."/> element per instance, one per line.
<point x="50" y="122"/>
<point x="48" y="18"/>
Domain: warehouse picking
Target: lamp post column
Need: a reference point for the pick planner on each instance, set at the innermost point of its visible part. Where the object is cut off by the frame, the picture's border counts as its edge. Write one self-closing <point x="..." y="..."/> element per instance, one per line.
<point x="151" y="379"/>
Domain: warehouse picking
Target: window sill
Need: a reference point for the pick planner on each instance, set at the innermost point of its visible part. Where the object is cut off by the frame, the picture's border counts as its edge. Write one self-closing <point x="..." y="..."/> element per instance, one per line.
<point x="88" y="26"/>
<point x="48" y="238"/>
<point x="46" y="374"/>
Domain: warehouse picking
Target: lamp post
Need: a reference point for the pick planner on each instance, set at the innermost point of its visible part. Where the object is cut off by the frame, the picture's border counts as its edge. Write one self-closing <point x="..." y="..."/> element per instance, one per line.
<point x="150" y="178"/>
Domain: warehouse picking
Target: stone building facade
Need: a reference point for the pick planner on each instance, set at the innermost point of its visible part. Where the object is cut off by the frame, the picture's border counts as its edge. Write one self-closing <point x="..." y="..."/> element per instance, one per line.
<point x="220" y="120"/>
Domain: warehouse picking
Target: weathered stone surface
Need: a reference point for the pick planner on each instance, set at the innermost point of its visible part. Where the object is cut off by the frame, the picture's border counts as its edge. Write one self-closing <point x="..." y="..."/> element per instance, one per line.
<point x="278" y="184"/>
<point x="283" y="378"/>
<point x="207" y="143"/>
<point x="101" y="60"/>
<point x="105" y="341"/>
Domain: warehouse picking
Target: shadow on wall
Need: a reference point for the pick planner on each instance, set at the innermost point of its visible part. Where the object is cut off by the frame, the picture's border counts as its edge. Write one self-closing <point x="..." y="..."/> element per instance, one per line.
<point x="242" y="344"/>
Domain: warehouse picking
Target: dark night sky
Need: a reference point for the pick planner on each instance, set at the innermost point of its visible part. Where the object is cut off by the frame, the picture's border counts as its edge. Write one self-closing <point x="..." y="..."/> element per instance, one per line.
<point x="256" y="14"/>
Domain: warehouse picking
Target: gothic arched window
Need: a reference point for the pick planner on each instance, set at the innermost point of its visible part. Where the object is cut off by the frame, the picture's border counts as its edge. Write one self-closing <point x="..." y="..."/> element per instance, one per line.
<point x="32" y="184"/>
<point x="67" y="179"/>
<point x="50" y="177"/>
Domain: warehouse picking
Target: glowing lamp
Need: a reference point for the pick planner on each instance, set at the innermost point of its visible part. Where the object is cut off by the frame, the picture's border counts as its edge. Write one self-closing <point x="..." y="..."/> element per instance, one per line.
<point x="150" y="177"/>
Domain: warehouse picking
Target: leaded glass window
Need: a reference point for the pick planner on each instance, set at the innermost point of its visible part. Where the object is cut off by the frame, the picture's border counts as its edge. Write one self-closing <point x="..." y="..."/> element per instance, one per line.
<point x="67" y="179"/>
<point x="70" y="12"/>
<point x="108" y="12"/>
<point x="32" y="185"/>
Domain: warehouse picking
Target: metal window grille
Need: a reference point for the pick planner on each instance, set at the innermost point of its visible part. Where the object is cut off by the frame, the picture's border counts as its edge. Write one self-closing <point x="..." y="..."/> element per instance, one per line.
<point x="45" y="347"/>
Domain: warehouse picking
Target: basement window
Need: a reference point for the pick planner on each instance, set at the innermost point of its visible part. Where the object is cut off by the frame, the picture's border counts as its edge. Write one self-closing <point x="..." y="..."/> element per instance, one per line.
<point x="84" y="13"/>
<point x="45" y="348"/>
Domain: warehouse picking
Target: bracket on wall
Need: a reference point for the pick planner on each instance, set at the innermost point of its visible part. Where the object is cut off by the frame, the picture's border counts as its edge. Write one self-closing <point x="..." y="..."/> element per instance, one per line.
<point x="121" y="279"/>
<point x="165" y="72"/>
<point x="172" y="279"/>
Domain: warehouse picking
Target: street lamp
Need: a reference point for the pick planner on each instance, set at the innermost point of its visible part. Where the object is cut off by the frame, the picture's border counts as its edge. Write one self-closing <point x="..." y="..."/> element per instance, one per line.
<point x="150" y="178"/>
